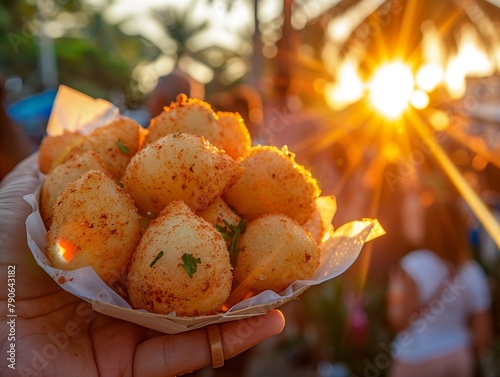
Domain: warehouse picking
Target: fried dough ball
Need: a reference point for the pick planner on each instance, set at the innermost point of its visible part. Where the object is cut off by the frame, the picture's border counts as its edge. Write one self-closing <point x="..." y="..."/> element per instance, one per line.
<point x="116" y="142"/>
<point x="53" y="149"/>
<point x="56" y="181"/>
<point x="217" y="212"/>
<point x="236" y="140"/>
<point x="95" y="223"/>
<point x="181" y="264"/>
<point x="179" y="166"/>
<point x="273" y="183"/>
<point x="187" y="115"/>
<point x="274" y="252"/>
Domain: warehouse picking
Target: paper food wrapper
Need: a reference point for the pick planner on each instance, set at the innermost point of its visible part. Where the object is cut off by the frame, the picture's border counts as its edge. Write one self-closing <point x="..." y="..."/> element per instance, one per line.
<point x="339" y="251"/>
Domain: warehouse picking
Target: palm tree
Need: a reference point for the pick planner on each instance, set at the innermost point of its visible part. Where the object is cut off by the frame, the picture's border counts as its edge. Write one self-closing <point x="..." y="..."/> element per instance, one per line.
<point x="394" y="28"/>
<point x="186" y="33"/>
<point x="180" y="28"/>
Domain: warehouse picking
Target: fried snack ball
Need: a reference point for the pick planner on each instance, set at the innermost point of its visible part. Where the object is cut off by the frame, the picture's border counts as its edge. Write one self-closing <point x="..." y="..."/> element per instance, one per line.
<point x="236" y="140"/>
<point x="179" y="166"/>
<point x="116" y="142"/>
<point x="217" y="212"/>
<point x="273" y="183"/>
<point x="56" y="181"/>
<point x="186" y="115"/>
<point x="181" y="264"/>
<point x="53" y="149"/>
<point x="274" y="252"/>
<point x="95" y="223"/>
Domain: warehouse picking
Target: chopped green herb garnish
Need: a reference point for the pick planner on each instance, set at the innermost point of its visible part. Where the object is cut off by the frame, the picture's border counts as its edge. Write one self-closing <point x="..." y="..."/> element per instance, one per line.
<point x="123" y="147"/>
<point x="231" y="234"/>
<point x="157" y="258"/>
<point x="190" y="263"/>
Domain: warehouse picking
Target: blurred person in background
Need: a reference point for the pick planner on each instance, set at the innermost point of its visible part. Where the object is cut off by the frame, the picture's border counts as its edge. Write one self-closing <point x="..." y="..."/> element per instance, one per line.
<point x="439" y="301"/>
<point x="14" y="143"/>
<point x="169" y="87"/>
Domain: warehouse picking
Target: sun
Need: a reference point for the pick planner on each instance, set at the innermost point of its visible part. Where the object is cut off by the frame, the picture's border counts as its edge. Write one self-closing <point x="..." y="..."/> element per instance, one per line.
<point x="391" y="88"/>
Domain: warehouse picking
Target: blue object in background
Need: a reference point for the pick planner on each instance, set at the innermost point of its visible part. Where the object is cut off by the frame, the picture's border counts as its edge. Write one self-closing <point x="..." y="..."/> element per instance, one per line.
<point x="32" y="113"/>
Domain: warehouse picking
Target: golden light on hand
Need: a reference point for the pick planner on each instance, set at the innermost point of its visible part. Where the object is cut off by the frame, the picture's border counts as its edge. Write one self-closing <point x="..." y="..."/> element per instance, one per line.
<point x="391" y="89"/>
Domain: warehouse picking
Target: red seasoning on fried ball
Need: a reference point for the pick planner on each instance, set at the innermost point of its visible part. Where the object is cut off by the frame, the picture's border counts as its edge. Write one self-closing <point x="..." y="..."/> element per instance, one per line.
<point x="56" y="180"/>
<point x="116" y="143"/>
<point x="218" y="212"/>
<point x="54" y="149"/>
<point x="179" y="166"/>
<point x="274" y="251"/>
<point x="273" y="183"/>
<point x="181" y="265"/>
<point x="96" y="224"/>
<point x="186" y="115"/>
<point x="236" y="140"/>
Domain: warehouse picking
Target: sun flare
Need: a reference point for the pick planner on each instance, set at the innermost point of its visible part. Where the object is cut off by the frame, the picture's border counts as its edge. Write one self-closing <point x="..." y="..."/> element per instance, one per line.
<point x="391" y="89"/>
